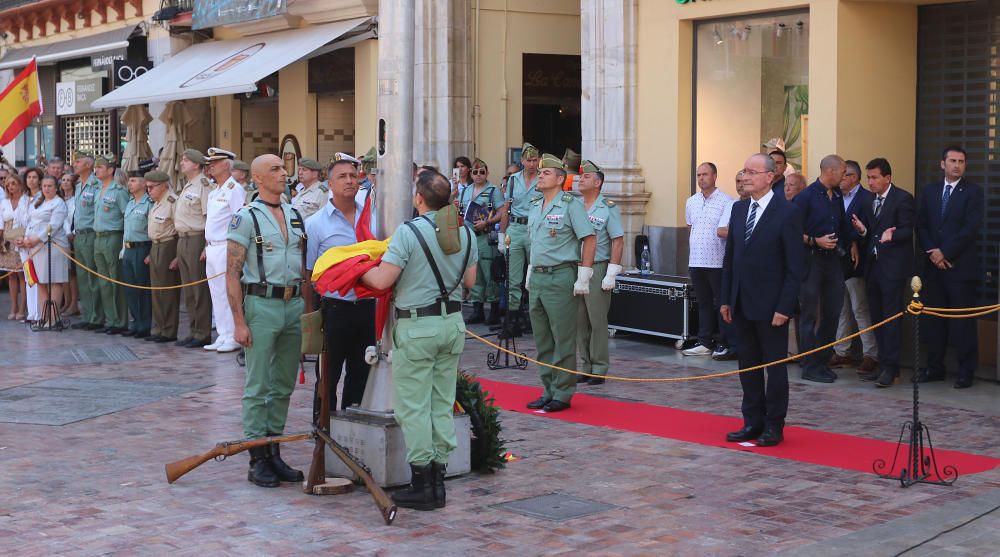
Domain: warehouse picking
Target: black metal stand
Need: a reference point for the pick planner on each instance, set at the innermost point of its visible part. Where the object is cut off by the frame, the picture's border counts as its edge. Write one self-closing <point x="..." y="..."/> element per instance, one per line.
<point x="49" y="320"/>
<point x="507" y="342"/>
<point x="920" y="465"/>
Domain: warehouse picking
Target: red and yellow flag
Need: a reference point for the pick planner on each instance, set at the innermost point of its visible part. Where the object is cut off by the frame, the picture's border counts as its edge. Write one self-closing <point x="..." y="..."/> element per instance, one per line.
<point x="19" y="103"/>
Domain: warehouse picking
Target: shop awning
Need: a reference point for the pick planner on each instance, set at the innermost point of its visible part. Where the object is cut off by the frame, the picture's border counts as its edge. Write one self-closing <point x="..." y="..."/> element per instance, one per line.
<point x="225" y="67"/>
<point x="64" y="50"/>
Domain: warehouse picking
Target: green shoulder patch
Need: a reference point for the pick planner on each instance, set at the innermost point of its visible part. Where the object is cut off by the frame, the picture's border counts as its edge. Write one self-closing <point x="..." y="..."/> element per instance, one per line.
<point x="567" y="197"/>
<point x="537" y="198"/>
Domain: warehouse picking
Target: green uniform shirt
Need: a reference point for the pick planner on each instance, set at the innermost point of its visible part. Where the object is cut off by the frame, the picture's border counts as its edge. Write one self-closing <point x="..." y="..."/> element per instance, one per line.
<point x="85" y="199"/>
<point x="137" y="219"/>
<point x="282" y="260"/>
<point x="416" y="286"/>
<point x="606" y="219"/>
<point x="555" y="230"/>
<point x="109" y="215"/>
<point x="489" y="198"/>
<point x="520" y="193"/>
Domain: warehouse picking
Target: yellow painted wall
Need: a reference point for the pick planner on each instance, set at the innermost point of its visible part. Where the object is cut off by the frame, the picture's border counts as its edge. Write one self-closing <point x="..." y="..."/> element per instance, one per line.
<point x="297" y="107"/>
<point x="549" y="27"/>
<point x="228" y="125"/>
<point x="365" y="95"/>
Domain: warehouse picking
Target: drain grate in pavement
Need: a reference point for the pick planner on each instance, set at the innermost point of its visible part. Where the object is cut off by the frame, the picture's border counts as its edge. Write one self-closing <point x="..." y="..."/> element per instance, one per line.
<point x="555" y="506"/>
<point x="107" y="353"/>
<point x="65" y="400"/>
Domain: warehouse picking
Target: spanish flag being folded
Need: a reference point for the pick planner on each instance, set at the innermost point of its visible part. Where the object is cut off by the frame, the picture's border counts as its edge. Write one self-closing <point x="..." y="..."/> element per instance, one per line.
<point x="20" y="102"/>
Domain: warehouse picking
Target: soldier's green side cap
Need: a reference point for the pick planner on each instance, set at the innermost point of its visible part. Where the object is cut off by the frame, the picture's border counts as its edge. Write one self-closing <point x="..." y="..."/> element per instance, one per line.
<point x="589" y="166"/>
<point x="157" y="176"/>
<point x="370" y="156"/>
<point x="240" y="165"/>
<point x="528" y="151"/>
<point x="105" y="160"/>
<point x="310" y="164"/>
<point x="571" y="159"/>
<point x="194" y="156"/>
<point x="550" y="161"/>
<point x="82" y="154"/>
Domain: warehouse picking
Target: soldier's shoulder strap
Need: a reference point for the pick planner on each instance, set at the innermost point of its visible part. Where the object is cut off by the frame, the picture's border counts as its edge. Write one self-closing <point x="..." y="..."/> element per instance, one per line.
<point x="258" y="240"/>
<point x="445" y="292"/>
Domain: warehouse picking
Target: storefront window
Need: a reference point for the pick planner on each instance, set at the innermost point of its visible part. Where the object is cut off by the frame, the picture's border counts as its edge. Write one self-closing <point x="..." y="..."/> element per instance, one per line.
<point x="751" y="88"/>
<point x="39" y="143"/>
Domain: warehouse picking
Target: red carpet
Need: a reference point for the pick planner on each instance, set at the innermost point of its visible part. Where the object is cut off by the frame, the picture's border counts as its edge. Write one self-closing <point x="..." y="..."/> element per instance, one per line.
<point x="801" y="444"/>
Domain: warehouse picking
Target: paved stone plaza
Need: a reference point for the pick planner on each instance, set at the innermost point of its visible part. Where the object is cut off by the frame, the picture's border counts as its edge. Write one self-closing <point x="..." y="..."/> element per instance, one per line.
<point x="96" y="486"/>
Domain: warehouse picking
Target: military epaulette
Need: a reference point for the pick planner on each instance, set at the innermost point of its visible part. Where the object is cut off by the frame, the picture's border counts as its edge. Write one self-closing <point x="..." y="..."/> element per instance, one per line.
<point x="204" y="182"/>
<point x="171" y="199"/>
<point x="609" y="203"/>
<point x="537" y="198"/>
<point x="567" y="197"/>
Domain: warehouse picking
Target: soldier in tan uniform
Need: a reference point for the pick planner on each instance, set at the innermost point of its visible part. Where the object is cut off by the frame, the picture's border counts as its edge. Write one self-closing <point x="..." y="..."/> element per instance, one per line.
<point x="312" y="193"/>
<point x="189" y="220"/>
<point x="162" y="259"/>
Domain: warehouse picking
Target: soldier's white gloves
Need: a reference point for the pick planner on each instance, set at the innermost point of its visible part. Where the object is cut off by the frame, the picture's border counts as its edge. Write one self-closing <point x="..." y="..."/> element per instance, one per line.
<point x="501" y="244"/>
<point x="582" y="285"/>
<point x="527" y="277"/>
<point x="608" y="283"/>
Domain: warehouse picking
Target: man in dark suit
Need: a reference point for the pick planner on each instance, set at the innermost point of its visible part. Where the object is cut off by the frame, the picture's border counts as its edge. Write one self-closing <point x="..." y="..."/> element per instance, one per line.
<point x="948" y="227"/>
<point x="886" y="226"/>
<point x="763" y="268"/>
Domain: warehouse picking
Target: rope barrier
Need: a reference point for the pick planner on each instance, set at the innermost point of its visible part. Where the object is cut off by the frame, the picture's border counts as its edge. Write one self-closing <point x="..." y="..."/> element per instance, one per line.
<point x="695" y="377"/>
<point x="917" y="308"/>
<point x="127" y="285"/>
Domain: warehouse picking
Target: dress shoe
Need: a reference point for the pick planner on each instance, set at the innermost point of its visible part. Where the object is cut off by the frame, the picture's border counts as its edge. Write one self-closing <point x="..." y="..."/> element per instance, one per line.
<point x="818" y="376"/>
<point x="101" y="330"/>
<point x="885" y="379"/>
<point x="152" y="338"/>
<point x="926" y="376"/>
<point x="142" y="334"/>
<point x="868" y="365"/>
<point x="746" y="434"/>
<point x="215" y="345"/>
<point x="93" y="327"/>
<point x="183" y="343"/>
<point x="115" y="330"/>
<point x="198" y="342"/>
<point x="963" y="383"/>
<point x="872" y="376"/>
<point x="539" y="404"/>
<point x="596" y="381"/>
<point x="166" y="339"/>
<point x="80" y="325"/>
<point x="771" y="437"/>
<point x="582" y="379"/>
<point x="840" y="361"/>
<point x="129" y="334"/>
<point x="556" y="406"/>
<point x="228" y="346"/>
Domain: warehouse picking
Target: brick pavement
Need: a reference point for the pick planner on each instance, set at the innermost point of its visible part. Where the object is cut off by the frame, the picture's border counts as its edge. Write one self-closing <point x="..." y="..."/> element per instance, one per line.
<point x="96" y="487"/>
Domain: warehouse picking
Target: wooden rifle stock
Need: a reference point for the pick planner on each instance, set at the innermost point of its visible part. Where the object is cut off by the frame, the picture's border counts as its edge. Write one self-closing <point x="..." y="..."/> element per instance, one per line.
<point x="382" y="500"/>
<point x="317" y="470"/>
<point x="226" y="449"/>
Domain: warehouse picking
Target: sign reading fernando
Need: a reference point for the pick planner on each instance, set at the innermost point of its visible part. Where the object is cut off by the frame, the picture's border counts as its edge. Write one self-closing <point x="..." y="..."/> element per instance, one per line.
<point x="210" y="13"/>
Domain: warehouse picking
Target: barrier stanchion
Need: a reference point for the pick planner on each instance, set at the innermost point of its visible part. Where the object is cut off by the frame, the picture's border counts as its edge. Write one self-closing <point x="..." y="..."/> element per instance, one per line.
<point x="49" y="320"/>
<point x="507" y="346"/>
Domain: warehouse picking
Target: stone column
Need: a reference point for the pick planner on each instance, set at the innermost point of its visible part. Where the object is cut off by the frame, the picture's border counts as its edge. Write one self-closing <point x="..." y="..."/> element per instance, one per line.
<point x="442" y="107"/>
<point x="608" y="120"/>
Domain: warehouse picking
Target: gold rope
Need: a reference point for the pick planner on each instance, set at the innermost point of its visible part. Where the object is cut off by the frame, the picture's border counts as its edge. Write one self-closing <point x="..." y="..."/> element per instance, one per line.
<point x="127" y="285"/>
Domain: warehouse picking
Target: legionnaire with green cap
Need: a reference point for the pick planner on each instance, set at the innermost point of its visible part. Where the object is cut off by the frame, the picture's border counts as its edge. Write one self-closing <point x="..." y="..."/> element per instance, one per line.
<point x="109" y="225"/>
<point x="265" y="270"/>
<point x="571" y="164"/>
<point x="163" y="257"/>
<point x="83" y="242"/>
<point x="559" y="233"/>
<point x="189" y="219"/>
<point x="312" y="191"/>
<point x="520" y="191"/>
<point x="429" y="334"/>
<point x="135" y="253"/>
<point x="241" y="173"/>
<point x="481" y="206"/>
<point x="592" y="321"/>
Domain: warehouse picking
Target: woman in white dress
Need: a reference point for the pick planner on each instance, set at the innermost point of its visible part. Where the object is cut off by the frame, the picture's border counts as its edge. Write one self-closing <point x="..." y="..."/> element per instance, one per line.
<point x="14" y="214"/>
<point x="33" y="182"/>
<point x="71" y="293"/>
<point x="48" y="214"/>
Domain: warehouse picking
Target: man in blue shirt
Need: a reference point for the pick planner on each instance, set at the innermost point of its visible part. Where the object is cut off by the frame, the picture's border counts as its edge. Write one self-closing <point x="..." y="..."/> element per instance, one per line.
<point x="348" y="323"/>
<point x="828" y="237"/>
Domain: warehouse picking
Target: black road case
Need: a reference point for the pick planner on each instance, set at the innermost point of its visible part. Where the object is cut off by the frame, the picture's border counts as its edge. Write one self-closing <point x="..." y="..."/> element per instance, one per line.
<point x="659" y="305"/>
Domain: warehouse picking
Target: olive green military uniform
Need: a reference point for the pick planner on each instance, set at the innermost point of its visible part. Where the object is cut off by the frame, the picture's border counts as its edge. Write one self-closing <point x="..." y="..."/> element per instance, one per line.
<point x="427" y="348"/>
<point x="189" y="220"/>
<point x="166" y="303"/>
<point x="556" y="230"/>
<point x="592" y="319"/>
<point x="83" y="248"/>
<point x="109" y="225"/>
<point x="272" y="305"/>
<point x="134" y="267"/>
<point x="519" y="194"/>
<point x="489" y="198"/>
<point x="314" y="197"/>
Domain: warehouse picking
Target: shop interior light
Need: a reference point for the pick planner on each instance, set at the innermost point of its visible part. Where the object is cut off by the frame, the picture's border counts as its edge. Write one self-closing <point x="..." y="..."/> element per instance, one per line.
<point x="780" y="29"/>
<point x="717" y="37"/>
<point x="799" y="26"/>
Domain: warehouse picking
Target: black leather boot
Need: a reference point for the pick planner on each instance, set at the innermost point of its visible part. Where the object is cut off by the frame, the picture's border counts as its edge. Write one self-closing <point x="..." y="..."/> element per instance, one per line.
<point x="419" y="494"/>
<point x="494" y="315"/>
<point x="477" y="315"/>
<point x="439" y="473"/>
<point x="260" y="472"/>
<point x="284" y="472"/>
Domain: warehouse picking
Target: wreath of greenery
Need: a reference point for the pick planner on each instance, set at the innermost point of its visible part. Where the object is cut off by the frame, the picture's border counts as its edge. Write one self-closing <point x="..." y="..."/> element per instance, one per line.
<point x="487" y="446"/>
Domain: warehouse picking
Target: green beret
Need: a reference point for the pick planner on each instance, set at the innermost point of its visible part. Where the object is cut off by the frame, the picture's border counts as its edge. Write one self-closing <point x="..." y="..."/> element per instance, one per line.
<point x="550" y="161"/>
<point x="529" y="151"/>
<point x="311" y="164"/>
<point x="589" y="166"/>
<point x="157" y="176"/>
<point x="240" y="165"/>
<point x="194" y="156"/>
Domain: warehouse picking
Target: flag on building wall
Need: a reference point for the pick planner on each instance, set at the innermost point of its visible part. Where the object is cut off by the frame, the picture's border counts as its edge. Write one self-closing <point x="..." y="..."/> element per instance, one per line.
<point x="20" y="102"/>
